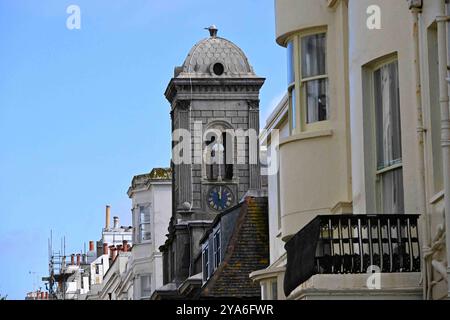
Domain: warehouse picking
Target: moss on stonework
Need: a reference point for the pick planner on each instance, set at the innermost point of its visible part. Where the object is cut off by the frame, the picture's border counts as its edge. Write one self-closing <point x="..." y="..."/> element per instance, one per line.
<point x="161" y="173"/>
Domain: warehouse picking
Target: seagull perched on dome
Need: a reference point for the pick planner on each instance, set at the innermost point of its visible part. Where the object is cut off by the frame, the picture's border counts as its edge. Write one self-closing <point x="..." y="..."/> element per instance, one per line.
<point x="212" y="30"/>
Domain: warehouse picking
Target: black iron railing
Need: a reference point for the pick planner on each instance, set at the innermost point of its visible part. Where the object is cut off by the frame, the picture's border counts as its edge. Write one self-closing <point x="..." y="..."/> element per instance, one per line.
<point x="351" y="244"/>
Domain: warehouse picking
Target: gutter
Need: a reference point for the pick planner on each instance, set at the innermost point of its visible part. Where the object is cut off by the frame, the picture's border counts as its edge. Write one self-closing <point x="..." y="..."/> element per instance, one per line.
<point x="442" y="22"/>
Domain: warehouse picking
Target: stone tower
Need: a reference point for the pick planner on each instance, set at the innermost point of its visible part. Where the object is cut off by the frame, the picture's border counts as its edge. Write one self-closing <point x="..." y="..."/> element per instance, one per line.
<point x="213" y="95"/>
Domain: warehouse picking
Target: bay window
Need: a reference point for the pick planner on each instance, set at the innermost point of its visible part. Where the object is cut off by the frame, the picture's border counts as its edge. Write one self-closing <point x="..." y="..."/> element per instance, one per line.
<point x="291" y="85"/>
<point x="314" y="80"/>
<point x="307" y="80"/>
<point x="144" y="223"/>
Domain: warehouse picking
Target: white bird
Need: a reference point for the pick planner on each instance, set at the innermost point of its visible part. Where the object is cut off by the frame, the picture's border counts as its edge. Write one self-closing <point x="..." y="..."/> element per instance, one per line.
<point x="212" y="30"/>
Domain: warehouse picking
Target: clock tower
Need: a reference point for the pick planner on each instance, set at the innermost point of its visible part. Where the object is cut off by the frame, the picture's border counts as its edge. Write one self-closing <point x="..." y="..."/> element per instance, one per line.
<point x="214" y="98"/>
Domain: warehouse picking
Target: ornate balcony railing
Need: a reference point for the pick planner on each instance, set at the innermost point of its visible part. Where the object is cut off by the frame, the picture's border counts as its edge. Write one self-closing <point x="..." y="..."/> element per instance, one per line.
<point x="351" y="244"/>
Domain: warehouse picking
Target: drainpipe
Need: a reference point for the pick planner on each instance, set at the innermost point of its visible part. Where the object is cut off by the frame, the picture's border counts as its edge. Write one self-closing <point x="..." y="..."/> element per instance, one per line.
<point x="445" y="126"/>
<point x="416" y="9"/>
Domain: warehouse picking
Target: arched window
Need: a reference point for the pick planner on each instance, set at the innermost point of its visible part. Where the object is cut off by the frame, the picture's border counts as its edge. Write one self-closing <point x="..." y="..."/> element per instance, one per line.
<point x="218" y="153"/>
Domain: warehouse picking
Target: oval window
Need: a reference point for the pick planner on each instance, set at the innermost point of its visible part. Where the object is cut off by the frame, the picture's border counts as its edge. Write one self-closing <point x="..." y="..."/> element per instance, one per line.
<point x="218" y="69"/>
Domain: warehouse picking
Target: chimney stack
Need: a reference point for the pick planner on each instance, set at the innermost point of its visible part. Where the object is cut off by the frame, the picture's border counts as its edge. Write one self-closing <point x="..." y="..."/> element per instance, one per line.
<point x="113" y="252"/>
<point x="91" y="245"/>
<point x="72" y="259"/>
<point x="105" y="248"/>
<point x="116" y="222"/>
<point x="125" y="245"/>
<point x="108" y="216"/>
<point x="78" y="259"/>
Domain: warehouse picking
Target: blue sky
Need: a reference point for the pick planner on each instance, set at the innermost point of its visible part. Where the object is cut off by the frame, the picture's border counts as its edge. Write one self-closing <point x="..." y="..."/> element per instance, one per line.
<point x="82" y="111"/>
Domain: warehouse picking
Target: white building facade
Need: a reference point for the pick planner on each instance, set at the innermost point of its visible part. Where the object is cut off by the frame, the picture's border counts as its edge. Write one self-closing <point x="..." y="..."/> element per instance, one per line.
<point x="151" y="196"/>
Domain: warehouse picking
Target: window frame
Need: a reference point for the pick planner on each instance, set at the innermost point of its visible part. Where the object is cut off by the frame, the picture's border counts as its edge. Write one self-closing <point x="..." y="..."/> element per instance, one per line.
<point x="217" y="255"/>
<point x="297" y="117"/>
<point x="147" y="289"/>
<point x="205" y="263"/>
<point x="143" y="224"/>
<point x="397" y="164"/>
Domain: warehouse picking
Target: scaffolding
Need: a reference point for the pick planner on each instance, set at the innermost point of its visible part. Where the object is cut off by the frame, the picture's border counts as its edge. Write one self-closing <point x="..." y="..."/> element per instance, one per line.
<point x="56" y="263"/>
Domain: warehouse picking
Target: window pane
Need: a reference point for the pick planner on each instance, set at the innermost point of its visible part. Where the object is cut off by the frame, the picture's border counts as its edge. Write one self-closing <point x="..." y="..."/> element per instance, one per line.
<point x="264" y="291"/>
<point x="144" y="214"/>
<point x="146" y="286"/>
<point x="290" y="61"/>
<point x="145" y="231"/>
<point x="387" y="114"/>
<point x="205" y="264"/>
<point x="392" y="192"/>
<point x="216" y="250"/>
<point x="274" y="290"/>
<point x="314" y="55"/>
<point x="316" y="100"/>
<point x="293" y="107"/>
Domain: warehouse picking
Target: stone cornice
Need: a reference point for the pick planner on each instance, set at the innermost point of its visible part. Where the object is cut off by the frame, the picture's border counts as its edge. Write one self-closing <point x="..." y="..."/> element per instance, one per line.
<point x="211" y="86"/>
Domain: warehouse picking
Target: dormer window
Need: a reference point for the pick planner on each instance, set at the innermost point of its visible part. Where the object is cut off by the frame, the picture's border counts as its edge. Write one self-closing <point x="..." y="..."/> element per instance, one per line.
<point x="217" y="249"/>
<point x="205" y="263"/>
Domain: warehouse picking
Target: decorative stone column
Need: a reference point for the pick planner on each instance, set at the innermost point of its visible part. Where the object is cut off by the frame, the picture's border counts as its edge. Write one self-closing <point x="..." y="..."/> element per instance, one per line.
<point x="253" y="151"/>
<point x="184" y="172"/>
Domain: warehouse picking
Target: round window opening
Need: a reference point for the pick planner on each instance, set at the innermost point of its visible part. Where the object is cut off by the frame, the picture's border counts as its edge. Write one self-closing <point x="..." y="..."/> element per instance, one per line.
<point x="218" y="69"/>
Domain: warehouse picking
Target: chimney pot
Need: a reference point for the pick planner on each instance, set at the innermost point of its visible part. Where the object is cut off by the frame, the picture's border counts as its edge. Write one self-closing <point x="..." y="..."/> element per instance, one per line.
<point x="113" y="253"/>
<point x="72" y="259"/>
<point x="78" y="259"/>
<point x="125" y="245"/>
<point x="91" y="245"/>
<point x="105" y="248"/>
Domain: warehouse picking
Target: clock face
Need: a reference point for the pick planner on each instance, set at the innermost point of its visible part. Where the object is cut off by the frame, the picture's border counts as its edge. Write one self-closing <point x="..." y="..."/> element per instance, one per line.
<point x="220" y="198"/>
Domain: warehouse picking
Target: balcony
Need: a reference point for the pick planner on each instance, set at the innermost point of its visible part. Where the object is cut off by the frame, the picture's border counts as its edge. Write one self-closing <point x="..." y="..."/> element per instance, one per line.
<point x="351" y="244"/>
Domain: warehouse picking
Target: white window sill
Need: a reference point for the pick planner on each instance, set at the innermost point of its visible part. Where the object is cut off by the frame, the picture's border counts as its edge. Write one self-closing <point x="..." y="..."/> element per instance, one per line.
<point x="306" y="136"/>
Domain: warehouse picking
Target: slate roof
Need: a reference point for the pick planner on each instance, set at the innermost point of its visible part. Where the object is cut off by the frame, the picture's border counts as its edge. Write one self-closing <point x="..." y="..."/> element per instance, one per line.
<point x="247" y="251"/>
<point x="215" y="49"/>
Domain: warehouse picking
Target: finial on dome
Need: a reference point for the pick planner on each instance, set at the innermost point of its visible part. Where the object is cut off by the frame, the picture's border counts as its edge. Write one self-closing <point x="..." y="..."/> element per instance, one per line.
<point x="212" y="31"/>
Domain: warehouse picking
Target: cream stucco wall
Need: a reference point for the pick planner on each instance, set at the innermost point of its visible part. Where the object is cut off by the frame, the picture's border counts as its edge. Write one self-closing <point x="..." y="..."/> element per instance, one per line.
<point x="333" y="165"/>
<point x="315" y="162"/>
<point x="380" y="43"/>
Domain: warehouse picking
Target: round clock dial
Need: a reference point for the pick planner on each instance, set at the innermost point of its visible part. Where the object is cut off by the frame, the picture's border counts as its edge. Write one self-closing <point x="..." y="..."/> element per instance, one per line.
<point x="220" y="198"/>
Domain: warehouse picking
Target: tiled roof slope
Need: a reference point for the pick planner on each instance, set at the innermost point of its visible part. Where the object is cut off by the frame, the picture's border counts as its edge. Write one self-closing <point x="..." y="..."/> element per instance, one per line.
<point x="247" y="251"/>
<point x="211" y="50"/>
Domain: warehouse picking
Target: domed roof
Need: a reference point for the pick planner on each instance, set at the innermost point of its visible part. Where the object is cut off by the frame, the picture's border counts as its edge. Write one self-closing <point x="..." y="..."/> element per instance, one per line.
<point x="216" y="57"/>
